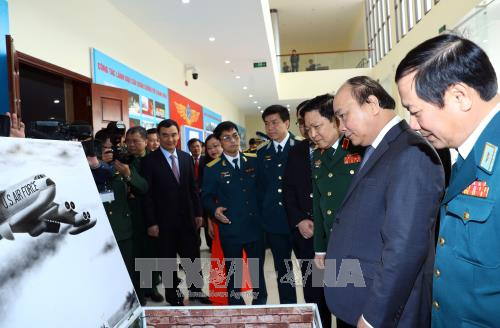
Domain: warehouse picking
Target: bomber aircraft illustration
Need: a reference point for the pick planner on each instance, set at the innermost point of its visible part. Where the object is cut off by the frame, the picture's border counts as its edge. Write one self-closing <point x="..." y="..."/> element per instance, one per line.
<point x="28" y="207"/>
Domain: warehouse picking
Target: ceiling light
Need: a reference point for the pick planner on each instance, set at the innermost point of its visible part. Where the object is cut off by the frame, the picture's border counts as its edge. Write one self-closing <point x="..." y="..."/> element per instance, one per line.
<point x="185" y="1"/>
<point x="259" y="107"/>
<point x="237" y="76"/>
<point x="244" y="88"/>
<point x="250" y="96"/>
<point x="56" y="101"/>
<point x="485" y="40"/>
<point x="255" y="101"/>
<point x="262" y="111"/>
<point x="288" y="106"/>
<point x="227" y="61"/>
<point x="211" y="39"/>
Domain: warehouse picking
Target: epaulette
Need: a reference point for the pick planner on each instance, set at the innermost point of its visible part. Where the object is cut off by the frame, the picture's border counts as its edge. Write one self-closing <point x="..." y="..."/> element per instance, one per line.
<point x="299" y="138"/>
<point x="250" y="154"/>
<point x="212" y="163"/>
<point x="262" y="145"/>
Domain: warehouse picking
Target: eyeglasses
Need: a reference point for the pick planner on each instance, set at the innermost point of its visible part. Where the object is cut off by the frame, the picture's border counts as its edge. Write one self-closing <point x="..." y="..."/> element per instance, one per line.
<point x="228" y="138"/>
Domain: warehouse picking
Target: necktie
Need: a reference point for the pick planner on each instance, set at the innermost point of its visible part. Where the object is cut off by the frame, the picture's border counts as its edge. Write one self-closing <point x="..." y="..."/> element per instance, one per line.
<point x="175" y="169"/>
<point x="456" y="166"/>
<point x="196" y="168"/>
<point x="236" y="167"/>
<point x="279" y="150"/>
<point x="368" y="153"/>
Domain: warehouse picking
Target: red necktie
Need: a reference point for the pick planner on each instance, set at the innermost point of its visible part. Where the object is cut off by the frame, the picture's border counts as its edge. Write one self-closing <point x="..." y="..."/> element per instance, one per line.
<point x="196" y="167"/>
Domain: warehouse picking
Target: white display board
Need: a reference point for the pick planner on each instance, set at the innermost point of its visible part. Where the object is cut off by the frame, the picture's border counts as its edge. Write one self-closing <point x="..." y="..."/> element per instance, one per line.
<point x="60" y="265"/>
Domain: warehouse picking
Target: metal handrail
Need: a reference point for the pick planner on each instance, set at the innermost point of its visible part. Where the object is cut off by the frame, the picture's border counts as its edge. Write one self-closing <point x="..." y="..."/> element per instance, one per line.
<point x="325" y="52"/>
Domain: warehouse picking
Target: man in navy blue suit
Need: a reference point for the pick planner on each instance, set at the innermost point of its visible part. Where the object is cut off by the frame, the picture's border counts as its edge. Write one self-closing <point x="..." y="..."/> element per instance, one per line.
<point x="387" y="218"/>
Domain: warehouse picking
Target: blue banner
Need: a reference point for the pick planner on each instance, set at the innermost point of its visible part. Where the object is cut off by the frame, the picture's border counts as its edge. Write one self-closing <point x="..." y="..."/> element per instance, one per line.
<point x="148" y="99"/>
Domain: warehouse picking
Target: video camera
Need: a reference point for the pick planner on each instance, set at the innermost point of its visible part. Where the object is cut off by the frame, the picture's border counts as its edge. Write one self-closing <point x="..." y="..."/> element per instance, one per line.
<point x="116" y="131"/>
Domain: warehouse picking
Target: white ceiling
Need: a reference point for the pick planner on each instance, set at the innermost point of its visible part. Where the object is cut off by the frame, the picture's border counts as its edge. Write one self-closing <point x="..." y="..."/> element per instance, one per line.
<point x="239" y="28"/>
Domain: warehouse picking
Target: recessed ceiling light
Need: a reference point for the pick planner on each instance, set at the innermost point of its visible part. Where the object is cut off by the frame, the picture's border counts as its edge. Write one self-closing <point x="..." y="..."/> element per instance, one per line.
<point x="227" y="61"/>
<point x="288" y="106"/>
<point x="185" y="1"/>
<point x="250" y="96"/>
<point x="56" y="101"/>
<point x="255" y="102"/>
<point x="237" y="77"/>
<point x="485" y="40"/>
<point x="259" y="107"/>
<point x="211" y="39"/>
<point x="262" y="111"/>
<point x="244" y="88"/>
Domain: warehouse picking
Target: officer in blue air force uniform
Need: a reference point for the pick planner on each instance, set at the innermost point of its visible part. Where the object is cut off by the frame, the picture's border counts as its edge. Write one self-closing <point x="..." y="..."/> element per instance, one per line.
<point x="272" y="159"/>
<point x="455" y="73"/>
<point x="229" y="193"/>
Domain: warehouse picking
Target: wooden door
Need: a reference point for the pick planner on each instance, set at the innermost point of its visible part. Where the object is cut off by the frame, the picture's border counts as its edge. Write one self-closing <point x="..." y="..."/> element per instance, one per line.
<point x="13" y="76"/>
<point x="108" y="104"/>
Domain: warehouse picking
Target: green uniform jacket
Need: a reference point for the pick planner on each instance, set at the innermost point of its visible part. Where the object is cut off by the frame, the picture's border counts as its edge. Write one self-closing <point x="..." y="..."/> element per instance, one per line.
<point x="138" y="187"/>
<point x="332" y="173"/>
<point x="118" y="211"/>
<point x="236" y="191"/>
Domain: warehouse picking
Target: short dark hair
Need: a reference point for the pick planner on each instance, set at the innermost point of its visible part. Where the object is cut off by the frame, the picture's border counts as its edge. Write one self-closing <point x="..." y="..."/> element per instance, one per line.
<point x="298" y="110"/>
<point x="276" y="109"/>
<point x="224" y="126"/>
<point x="152" y="131"/>
<point x="445" y="60"/>
<point x="252" y="141"/>
<point x="167" y="123"/>
<point x="102" y="135"/>
<point x="193" y="140"/>
<point x="323" y="104"/>
<point x="138" y="129"/>
<point x="363" y="87"/>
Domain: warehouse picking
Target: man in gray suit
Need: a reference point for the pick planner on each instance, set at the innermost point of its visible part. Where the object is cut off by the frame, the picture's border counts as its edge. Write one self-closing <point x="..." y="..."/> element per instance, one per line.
<point x="387" y="218"/>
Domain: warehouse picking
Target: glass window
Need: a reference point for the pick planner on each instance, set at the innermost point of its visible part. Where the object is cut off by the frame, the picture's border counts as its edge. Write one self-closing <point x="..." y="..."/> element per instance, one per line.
<point x="418" y="10"/>
<point x="427" y="5"/>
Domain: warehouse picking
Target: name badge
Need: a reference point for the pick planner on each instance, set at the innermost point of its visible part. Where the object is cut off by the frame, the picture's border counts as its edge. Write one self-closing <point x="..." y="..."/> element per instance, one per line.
<point x="107" y="196"/>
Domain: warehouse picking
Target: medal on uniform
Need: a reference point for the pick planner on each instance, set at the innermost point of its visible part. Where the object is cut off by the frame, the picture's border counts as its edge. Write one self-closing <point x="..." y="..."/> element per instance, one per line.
<point x="267" y="157"/>
<point x="225" y="174"/>
<point x="317" y="163"/>
<point x="352" y="159"/>
<point x="477" y="189"/>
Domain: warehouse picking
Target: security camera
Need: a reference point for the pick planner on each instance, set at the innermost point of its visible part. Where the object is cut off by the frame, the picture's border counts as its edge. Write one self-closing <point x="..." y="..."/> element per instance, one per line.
<point x="195" y="76"/>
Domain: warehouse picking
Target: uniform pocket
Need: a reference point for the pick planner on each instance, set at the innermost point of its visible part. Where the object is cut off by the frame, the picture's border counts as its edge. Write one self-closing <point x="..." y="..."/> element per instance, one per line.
<point x="479" y="232"/>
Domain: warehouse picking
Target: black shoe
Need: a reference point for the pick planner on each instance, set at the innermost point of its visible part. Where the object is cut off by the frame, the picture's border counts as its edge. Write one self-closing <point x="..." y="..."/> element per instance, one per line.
<point x="155" y="295"/>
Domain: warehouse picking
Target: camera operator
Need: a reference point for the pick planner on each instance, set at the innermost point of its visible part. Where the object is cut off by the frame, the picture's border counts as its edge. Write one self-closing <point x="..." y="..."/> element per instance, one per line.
<point x="122" y="177"/>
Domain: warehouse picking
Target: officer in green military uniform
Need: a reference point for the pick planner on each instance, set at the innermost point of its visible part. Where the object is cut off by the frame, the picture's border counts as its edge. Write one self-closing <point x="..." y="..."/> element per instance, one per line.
<point x="335" y="161"/>
<point x="116" y="202"/>
<point x="272" y="158"/>
<point x="136" y="140"/>
<point x="229" y="193"/>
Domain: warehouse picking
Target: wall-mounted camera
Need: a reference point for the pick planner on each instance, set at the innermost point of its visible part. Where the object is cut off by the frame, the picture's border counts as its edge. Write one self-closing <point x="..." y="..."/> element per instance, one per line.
<point x="194" y="73"/>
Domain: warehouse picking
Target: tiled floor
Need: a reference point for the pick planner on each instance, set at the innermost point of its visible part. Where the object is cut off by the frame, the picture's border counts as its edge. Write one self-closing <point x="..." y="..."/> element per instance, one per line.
<point x="271" y="281"/>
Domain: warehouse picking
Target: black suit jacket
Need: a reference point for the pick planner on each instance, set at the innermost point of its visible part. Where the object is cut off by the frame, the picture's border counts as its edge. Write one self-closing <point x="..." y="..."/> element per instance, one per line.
<point x="201" y="166"/>
<point x="167" y="202"/>
<point x="297" y="184"/>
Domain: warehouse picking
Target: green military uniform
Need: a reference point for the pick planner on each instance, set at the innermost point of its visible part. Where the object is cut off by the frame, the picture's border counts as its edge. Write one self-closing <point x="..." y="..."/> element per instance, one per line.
<point x="143" y="244"/>
<point x="332" y="172"/>
<point x="119" y="216"/>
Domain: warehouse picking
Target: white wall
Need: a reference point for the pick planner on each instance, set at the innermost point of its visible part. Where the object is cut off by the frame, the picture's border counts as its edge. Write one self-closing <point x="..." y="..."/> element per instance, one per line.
<point x="62" y="33"/>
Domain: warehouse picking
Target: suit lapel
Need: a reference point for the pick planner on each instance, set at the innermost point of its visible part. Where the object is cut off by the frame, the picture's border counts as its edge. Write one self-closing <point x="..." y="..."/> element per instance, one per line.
<point x="463" y="178"/>
<point x="392" y="134"/>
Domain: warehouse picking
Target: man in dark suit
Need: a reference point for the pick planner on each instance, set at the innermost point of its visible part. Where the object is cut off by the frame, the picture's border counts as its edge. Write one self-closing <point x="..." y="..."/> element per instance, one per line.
<point x="386" y="221"/>
<point x="172" y="209"/>
<point x="229" y="194"/>
<point x="272" y="159"/>
<point x="198" y="161"/>
<point x="297" y="194"/>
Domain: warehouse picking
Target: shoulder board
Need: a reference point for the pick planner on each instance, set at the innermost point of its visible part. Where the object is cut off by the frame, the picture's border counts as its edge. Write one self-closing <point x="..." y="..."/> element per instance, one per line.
<point x="250" y="154"/>
<point x="262" y="145"/>
<point x="212" y="163"/>
<point x="299" y="138"/>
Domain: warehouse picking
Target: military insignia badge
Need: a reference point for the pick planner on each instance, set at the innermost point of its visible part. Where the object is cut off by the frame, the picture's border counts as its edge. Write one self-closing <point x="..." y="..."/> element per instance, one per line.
<point x="317" y="163"/>
<point x="225" y="174"/>
<point x="250" y="170"/>
<point x="477" y="189"/>
<point x="352" y="158"/>
<point x="267" y="157"/>
<point x="345" y="143"/>
<point x="488" y="158"/>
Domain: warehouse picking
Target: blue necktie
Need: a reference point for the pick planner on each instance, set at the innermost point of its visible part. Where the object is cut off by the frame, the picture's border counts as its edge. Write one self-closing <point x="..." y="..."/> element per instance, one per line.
<point x="236" y="167"/>
<point x="368" y="153"/>
<point x="456" y="166"/>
